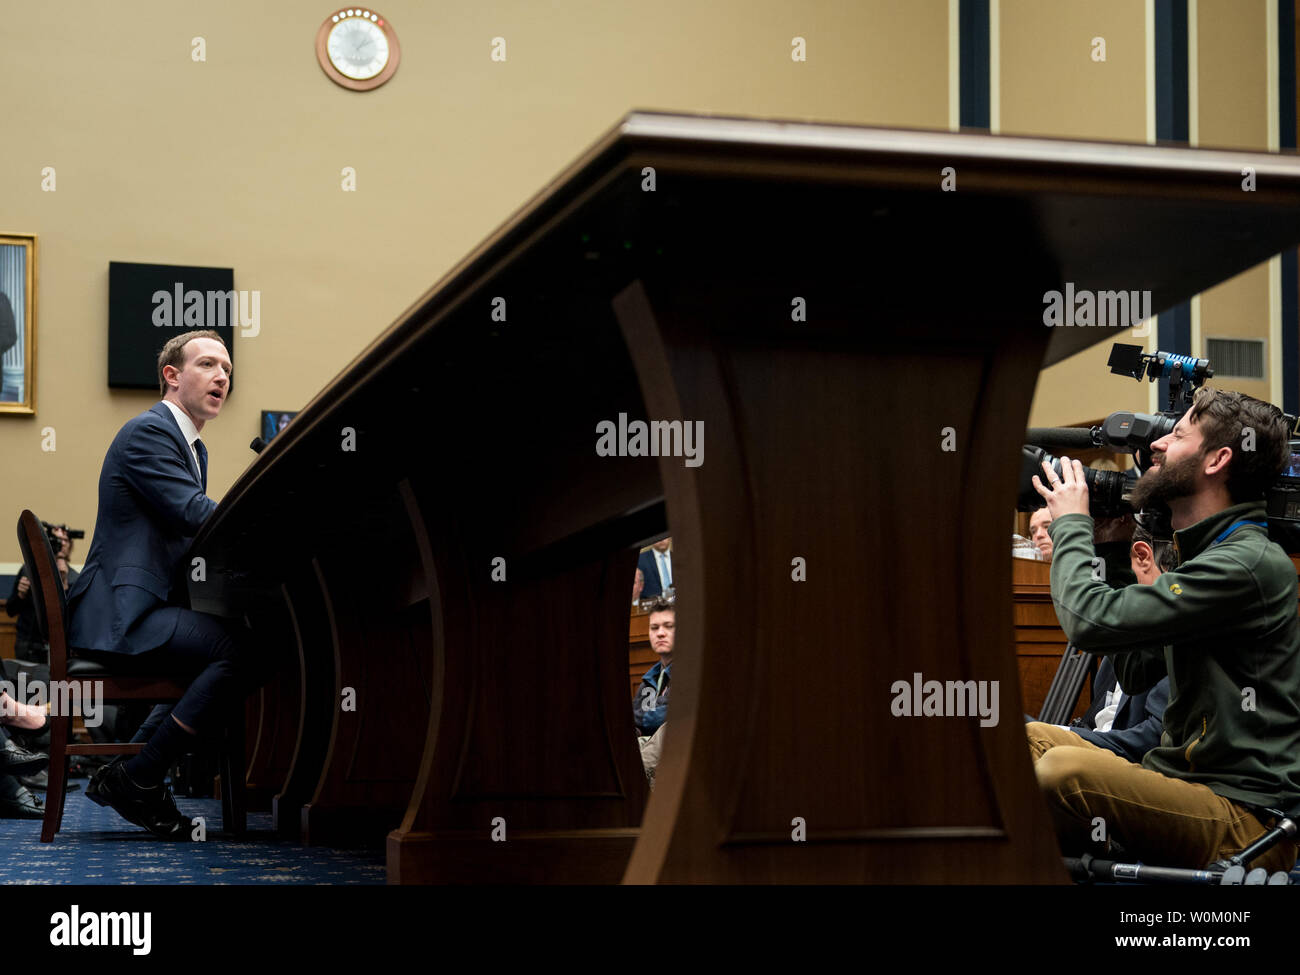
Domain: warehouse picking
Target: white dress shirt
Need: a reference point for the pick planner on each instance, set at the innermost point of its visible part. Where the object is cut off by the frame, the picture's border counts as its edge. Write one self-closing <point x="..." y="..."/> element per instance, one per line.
<point x="188" y="431"/>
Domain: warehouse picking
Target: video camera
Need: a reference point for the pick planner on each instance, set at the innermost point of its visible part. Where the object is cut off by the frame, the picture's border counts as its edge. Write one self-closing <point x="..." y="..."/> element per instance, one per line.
<point x="54" y="540"/>
<point x="1134" y="433"/>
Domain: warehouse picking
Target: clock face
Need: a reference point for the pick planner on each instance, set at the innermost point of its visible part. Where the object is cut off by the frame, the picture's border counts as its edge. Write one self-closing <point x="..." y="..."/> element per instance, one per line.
<point x="357" y="48"/>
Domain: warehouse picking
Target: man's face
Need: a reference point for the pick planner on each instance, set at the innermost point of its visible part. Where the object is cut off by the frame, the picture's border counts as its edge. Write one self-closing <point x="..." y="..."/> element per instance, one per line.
<point x="203" y="381"/>
<point x="1177" y="463"/>
<point x="662" y="546"/>
<point x="662" y="631"/>
<point x="1038" y="523"/>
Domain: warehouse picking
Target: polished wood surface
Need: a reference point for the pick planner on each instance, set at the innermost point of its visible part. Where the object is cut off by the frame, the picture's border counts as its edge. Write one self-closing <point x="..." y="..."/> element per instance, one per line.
<point x="8" y="632"/>
<point x="640" y="657"/>
<point x="459" y="445"/>
<point x="1039" y="639"/>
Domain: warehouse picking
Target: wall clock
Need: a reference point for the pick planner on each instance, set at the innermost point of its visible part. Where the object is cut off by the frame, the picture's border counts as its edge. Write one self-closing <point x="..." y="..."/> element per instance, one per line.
<point x="357" y="48"/>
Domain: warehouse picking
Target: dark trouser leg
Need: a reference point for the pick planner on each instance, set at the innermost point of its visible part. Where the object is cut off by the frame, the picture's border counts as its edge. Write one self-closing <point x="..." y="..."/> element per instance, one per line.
<point x="152" y="722"/>
<point x="221" y="650"/>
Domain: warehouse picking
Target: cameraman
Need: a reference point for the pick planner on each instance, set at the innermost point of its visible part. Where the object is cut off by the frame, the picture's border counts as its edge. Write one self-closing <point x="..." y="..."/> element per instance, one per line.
<point x="1223" y="626"/>
<point x="28" y="645"/>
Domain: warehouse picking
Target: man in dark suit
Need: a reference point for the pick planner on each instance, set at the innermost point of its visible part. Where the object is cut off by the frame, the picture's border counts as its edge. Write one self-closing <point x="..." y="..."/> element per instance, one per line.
<point x="1131" y="725"/>
<point x="128" y="600"/>
<point x="656" y="564"/>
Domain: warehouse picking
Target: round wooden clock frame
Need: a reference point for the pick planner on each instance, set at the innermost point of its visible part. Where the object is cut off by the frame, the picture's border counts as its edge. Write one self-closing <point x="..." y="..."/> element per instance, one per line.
<point x="322" y="55"/>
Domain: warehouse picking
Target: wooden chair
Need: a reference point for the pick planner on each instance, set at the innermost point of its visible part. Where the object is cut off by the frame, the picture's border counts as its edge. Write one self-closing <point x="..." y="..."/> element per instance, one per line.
<point x="80" y="676"/>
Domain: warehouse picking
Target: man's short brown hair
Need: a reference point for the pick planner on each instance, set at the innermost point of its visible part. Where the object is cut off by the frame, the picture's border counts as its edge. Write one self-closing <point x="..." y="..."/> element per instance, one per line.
<point x="173" y="353"/>
<point x="1225" y="419"/>
<point x="662" y="605"/>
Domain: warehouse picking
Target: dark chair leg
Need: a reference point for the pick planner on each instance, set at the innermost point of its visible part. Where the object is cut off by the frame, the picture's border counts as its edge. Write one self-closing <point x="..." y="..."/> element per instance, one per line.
<point x="234" y="801"/>
<point x="63" y="793"/>
<point x="60" y="728"/>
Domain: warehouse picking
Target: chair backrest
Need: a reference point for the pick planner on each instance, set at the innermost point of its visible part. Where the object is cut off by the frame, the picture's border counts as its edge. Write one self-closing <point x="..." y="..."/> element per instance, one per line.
<point x="49" y="601"/>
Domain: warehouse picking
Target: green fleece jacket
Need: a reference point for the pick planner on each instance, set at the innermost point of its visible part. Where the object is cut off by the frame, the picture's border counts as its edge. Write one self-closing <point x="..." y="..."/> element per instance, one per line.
<point x="1224" y="627"/>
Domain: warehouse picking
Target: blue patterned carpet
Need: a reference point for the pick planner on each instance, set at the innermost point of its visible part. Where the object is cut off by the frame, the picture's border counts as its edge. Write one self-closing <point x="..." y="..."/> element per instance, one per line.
<point x="96" y="846"/>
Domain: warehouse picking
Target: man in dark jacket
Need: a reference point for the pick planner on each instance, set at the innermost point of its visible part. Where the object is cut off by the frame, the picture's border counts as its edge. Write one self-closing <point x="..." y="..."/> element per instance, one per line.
<point x="128" y="602"/>
<point x="650" y="707"/>
<point x="1222" y="626"/>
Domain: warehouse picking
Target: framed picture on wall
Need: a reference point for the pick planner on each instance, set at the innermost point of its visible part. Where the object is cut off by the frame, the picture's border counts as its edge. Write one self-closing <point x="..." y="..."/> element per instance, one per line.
<point x="17" y="323"/>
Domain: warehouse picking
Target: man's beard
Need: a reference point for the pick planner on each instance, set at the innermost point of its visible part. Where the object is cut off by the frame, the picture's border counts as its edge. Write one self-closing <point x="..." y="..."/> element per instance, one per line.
<point x="1165" y="483"/>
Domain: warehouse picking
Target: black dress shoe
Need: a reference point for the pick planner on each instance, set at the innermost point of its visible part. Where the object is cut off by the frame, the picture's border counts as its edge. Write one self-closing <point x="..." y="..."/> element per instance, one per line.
<point x="40" y="782"/>
<point x="18" y="803"/>
<point x="17" y="761"/>
<point x="153" y="809"/>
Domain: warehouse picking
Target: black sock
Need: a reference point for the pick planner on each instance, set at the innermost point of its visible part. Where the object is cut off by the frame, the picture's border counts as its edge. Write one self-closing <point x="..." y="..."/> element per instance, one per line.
<point x="168" y="743"/>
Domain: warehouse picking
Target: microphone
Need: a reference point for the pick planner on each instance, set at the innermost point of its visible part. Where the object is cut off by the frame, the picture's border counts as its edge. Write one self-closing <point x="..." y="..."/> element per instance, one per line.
<point x="258" y="444"/>
<point x="1084" y="438"/>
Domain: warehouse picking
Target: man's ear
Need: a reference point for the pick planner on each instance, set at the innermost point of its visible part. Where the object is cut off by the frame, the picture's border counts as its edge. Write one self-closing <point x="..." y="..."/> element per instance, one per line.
<point x="1217" y="460"/>
<point x="1143" y="553"/>
<point x="170" y="377"/>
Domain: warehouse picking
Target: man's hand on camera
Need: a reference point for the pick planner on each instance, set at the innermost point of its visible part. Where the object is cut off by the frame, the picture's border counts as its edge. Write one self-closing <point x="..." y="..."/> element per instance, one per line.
<point x="1069" y="492"/>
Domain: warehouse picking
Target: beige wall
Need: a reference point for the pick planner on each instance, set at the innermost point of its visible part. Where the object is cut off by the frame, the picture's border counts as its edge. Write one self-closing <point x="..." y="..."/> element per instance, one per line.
<point x="1050" y="85"/>
<point x="1232" y="112"/>
<point x="236" y="162"/>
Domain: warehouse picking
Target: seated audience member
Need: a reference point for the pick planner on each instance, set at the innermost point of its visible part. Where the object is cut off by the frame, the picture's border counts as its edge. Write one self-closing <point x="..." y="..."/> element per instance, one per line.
<point x="1039" y="522"/>
<point x="1222" y="626"/>
<point x="651" y="704"/>
<point x="1130" y="725"/>
<point x="656" y="565"/>
<point x="16" y="802"/>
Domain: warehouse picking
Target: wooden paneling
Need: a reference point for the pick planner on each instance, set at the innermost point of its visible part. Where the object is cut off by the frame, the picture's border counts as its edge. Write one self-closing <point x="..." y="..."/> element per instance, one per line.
<point x="8" y="632"/>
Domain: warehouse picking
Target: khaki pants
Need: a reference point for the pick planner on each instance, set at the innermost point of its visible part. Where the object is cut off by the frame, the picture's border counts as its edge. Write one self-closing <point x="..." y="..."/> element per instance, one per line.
<point x="1158" y="819"/>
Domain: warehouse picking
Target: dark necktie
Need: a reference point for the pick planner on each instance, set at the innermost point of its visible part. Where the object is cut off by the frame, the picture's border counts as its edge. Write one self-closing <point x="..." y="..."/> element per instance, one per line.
<point x="203" y="464"/>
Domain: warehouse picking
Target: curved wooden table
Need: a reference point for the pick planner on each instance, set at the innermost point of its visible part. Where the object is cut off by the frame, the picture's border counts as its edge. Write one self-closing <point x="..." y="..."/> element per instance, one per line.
<point x="491" y="738"/>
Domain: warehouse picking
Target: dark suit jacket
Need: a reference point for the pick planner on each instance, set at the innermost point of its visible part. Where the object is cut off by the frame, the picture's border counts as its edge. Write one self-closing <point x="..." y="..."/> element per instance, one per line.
<point x="151" y="504"/>
<point x="649" y="567"/>
<point x="1138" y="722"/>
